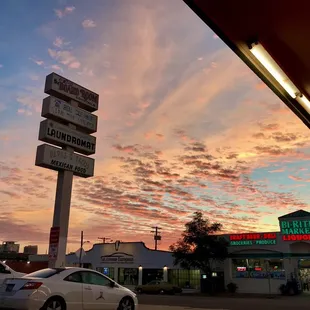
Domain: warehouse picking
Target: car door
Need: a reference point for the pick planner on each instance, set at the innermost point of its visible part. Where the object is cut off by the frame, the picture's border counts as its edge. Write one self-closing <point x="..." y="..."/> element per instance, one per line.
<point x="72" y="290"/>
<point x="98" y="294"/>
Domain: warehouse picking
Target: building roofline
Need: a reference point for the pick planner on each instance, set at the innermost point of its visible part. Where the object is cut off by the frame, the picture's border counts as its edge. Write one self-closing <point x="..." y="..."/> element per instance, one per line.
<point x="126" y="242"/>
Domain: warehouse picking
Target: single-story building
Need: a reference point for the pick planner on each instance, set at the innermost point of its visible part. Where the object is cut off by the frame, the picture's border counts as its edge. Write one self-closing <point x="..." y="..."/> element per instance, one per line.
<point x="261" y="262"/>
<point x="132" y="263"/>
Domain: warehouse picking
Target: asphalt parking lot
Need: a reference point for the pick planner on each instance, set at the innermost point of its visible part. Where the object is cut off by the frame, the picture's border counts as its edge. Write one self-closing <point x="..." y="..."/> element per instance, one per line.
<point x="158" y="302"/>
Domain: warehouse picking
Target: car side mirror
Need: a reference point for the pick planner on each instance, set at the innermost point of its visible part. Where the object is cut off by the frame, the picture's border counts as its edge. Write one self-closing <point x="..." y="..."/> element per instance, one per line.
<point x="112" y="284"/>
<point x="7" y="271"/>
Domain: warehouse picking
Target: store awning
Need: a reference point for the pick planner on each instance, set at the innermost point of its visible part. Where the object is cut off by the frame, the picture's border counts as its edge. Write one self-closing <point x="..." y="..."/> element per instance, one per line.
<point x="280" y="26"/>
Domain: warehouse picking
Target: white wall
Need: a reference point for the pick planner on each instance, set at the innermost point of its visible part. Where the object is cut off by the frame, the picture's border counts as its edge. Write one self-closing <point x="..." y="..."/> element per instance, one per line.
<point x="143" y="256"/>
<point x="258" y="286"/>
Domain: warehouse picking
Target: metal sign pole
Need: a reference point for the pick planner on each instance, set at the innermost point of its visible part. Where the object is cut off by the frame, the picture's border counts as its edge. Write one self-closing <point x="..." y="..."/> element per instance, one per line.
<point x="62" y="208"/>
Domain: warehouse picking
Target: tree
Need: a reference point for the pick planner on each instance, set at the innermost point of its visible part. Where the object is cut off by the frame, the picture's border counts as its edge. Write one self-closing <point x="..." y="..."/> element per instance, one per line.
<point x="200" y="247"/>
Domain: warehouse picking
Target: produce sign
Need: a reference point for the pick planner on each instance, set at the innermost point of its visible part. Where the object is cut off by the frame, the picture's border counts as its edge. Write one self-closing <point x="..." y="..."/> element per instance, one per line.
<point x="253" y="239"/>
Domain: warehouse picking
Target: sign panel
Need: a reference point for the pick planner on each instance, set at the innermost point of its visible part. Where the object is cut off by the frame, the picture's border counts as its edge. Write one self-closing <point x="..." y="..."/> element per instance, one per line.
<point x="299" y="227"/>
<point x="61" y="111"/>
<point x="53" y="243"/>
<point x="63" y="88"/>
<point x="253" y="239"/>
<point x="57" y="159"/>
<point x="62" y="135"/>
<point x="118" y="258"/>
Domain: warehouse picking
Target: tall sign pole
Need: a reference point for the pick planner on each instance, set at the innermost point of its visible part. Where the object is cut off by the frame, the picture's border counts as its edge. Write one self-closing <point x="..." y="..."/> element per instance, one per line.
<point x="69" y="123"/>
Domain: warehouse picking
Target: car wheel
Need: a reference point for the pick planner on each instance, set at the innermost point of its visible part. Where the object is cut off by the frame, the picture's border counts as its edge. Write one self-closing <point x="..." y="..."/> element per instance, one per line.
<point x="161" y="292"/>
<point x="139" y="291"/>
<point x="126" y="304"/>
<point x="55" y="303"/>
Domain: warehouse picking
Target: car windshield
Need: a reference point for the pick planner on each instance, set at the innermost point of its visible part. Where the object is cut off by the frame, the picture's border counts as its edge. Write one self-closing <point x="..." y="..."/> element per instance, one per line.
<point x="45" y="273"/>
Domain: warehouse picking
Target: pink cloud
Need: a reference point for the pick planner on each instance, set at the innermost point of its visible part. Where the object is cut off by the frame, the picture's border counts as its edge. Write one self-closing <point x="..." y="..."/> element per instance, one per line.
<point x="65" y="58"/>
<point x="88" y="23"/>
<point x="61" y="13"/>
<point x="38" y="62"/>
<point x="74" y="65"/>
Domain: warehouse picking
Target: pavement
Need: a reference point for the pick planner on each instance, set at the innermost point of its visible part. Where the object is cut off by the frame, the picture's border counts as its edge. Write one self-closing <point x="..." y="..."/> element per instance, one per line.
<point x="150" y="307"/>
<point x="177" y="302"/>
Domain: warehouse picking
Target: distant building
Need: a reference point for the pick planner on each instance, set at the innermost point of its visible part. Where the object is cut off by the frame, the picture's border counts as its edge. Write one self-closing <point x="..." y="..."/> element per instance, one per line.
<point x="9" y="247"/>
<point x="31" y="249"/>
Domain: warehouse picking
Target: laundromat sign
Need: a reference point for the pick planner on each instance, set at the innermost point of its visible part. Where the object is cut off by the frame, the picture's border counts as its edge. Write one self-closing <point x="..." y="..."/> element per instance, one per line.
<point x="253" y="239"/>
<point x="295" y="230"/>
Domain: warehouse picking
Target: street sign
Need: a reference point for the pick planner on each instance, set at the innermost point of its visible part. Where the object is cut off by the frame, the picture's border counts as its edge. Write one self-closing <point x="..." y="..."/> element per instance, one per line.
<point x="61" y="111"/>
<point x="61" y="135"/>
<point x="53" y="243"/>
<point x="58" y="159"/>
<point x="68" y="124"/>
<point x="63" y="88"/>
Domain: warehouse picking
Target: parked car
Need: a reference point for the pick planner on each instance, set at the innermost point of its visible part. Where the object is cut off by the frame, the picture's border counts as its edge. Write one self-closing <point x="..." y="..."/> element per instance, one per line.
<point x="158" y="287"/>
<point x="68" y="288"/>
<point x="7" y="272"/>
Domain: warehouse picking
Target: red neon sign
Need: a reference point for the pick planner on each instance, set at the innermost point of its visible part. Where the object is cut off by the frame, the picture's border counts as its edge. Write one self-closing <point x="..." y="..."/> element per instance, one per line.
<point x="296" y="237"/>
<point x="241" y="268"/>
<point x="254" y="236"/>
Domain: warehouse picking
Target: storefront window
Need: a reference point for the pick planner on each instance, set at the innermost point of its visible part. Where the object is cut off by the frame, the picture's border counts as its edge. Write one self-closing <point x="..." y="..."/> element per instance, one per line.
<point x="258" y="268"/>
<point x="184" y="278"/>
<point x="128" y="276"/>
<point x="108" y="271"/>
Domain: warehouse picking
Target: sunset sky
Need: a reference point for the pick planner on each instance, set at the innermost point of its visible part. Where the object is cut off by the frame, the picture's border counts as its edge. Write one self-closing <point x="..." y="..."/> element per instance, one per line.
<point x="184" y="125"/>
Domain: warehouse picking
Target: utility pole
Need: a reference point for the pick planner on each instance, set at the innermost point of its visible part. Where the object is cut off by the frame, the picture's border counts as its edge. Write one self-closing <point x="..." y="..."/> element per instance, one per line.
<point x="157" y="237"/>
<point x="81" y="248"/>
<point x="104" y="239"/>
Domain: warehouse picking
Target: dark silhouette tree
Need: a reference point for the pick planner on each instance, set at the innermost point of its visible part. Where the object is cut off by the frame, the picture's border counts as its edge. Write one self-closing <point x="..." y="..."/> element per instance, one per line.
<point x="200" y="246"/>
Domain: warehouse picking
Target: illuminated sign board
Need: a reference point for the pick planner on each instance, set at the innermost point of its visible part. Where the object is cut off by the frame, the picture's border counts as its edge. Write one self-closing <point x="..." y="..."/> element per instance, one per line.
<point x="253" y="239"/>
<point x="296" y="237"/>
<point x="295" y="227"/>
<point x="295" y="230"/>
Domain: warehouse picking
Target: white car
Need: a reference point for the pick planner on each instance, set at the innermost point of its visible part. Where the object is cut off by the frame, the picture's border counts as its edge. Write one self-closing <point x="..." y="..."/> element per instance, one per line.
<point x="66" y="288"/>
<point x="7" y="272"/>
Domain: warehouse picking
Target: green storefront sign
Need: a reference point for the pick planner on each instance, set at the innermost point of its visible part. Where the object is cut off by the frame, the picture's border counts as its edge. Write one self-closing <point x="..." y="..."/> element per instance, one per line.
<point x="295" y="227"/>
<point x="252" y="242"/>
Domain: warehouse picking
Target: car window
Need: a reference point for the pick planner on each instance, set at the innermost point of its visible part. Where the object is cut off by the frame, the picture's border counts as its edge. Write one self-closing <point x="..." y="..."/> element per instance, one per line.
<point x="45" y="273"/>
<point x="152" y="282"/>
<point x="74" y="277"/>
<point x="95" y="279"/>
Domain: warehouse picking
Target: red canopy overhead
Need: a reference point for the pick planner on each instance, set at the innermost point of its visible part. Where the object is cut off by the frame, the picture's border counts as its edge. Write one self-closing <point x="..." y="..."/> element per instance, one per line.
<point x="281" y="26"/>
